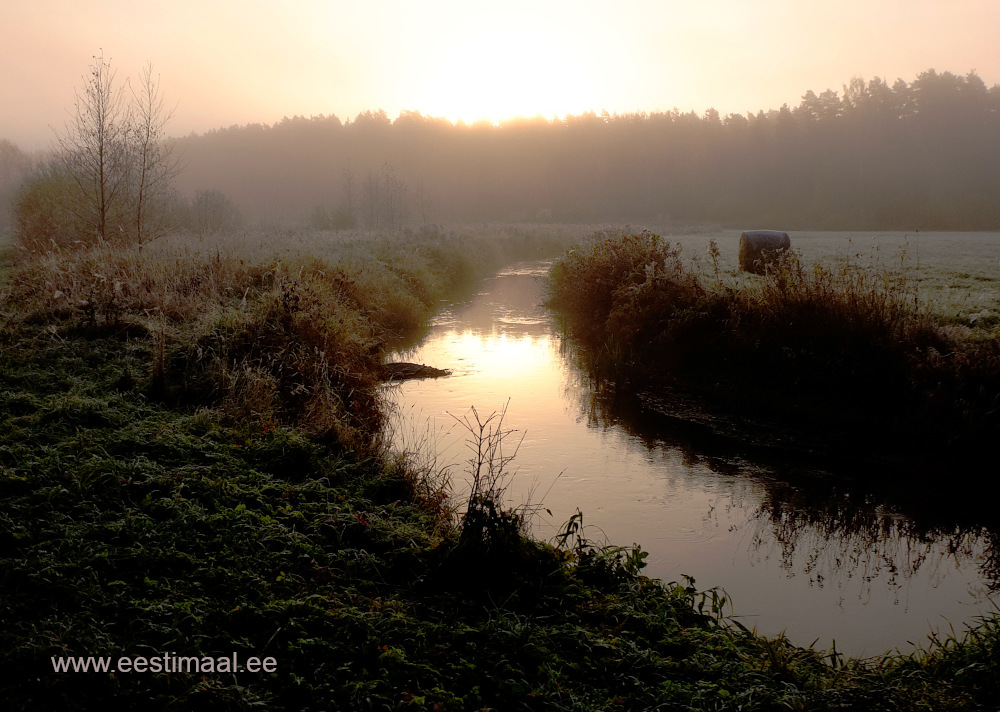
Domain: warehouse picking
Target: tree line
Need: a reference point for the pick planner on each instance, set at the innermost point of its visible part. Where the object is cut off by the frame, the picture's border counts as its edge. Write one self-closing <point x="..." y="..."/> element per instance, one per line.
<point x="920" y="154"/>
<point x="905" y="155"/>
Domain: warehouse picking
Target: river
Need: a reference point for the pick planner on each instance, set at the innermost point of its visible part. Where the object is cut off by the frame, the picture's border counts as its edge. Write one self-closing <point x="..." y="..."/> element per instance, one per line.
<point x="795" y="549"/>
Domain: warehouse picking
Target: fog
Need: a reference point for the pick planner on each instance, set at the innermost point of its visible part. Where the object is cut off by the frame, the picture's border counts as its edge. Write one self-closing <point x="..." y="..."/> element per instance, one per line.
<point x="911" y="155"/>
<point x="908" y="155"/>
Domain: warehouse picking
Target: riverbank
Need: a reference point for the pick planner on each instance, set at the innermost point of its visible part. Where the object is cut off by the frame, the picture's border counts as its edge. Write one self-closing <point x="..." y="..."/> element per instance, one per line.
<point x="825" y="358"/>
<point x="189" y="470"/>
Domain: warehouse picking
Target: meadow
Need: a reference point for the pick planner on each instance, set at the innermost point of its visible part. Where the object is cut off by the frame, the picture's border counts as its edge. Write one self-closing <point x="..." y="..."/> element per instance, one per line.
<point x="192" y="464"/>
<point x="954" y="276"/>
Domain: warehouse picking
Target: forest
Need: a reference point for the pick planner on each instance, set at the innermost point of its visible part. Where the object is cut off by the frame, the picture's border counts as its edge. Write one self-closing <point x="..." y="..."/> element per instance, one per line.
<point x="906" y="156"/>
<point x="875" y="155"/>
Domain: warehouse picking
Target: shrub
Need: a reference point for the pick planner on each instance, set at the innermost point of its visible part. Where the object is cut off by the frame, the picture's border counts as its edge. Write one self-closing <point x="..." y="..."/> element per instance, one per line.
<point x="343" y="219"/>
<point x="212" y="211"/>
<point x="44" y="215"/>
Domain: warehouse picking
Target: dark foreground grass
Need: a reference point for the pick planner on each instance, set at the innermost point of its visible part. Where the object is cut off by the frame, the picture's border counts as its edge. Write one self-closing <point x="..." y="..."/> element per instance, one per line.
<point x="131" y="529"/>
<point x="841" y="354"/>
<point x="137" y="523"/>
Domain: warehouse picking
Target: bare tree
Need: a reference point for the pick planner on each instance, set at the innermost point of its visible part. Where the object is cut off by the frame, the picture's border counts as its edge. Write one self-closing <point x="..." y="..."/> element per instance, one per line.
<point x="15" y="167"/>
<point x="370" y="200"/>
<point x="393" y="198"/>
<point x="423" y="204"/>
<point x="153" y="164"/>
<point x="383" y="199"/>
<point x="112" y="151"/>
<point x="212" y="211"/>
<point x="94" y="150"/>
<point x="349" y="189"/>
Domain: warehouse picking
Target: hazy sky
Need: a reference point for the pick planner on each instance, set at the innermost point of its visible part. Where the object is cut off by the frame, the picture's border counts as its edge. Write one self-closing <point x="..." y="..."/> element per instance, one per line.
<point x="227" y="62"/>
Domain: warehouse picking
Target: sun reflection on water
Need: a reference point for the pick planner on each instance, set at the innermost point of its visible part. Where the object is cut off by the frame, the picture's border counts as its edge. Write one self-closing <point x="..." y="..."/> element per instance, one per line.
<point x="813" y="561"/>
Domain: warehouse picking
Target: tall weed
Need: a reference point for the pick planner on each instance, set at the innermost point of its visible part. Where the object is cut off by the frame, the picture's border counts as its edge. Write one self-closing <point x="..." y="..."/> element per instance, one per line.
<point x="489" y="526"/>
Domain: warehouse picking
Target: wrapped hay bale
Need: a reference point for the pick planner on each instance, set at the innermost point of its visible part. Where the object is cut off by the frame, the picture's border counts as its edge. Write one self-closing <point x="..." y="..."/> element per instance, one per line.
<point x="759" y="248"/>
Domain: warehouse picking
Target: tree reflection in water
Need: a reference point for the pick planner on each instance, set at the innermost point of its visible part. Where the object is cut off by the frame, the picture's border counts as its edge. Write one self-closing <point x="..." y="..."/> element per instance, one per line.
<point x="815" y="518"/>
<point x="830" y="534"/>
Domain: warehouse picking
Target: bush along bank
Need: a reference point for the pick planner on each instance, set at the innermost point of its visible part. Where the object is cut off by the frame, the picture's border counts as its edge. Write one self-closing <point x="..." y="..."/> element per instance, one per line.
<point x="838" y="357"/>
<point x="153" y="510"/>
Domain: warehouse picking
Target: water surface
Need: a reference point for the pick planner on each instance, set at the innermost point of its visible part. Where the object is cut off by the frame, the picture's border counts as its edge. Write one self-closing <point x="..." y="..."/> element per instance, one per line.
<point x="796" y="549"/>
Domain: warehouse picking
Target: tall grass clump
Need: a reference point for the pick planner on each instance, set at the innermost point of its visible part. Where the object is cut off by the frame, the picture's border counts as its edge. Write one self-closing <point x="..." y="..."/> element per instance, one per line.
<point x="825" y="328"/>
<point x="282" y="328"/>
<point x="615" y="289"/>
<point x="489" y="526"/>
<point x="830" y="339"/>
<point x="265" y="339"/>
<point x="494" y="552"/>
<point x="266" y="331"/>
<point x="598" y="277"/>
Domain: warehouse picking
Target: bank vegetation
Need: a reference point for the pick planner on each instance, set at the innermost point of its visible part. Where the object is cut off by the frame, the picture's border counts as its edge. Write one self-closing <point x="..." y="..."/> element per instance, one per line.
<point x="835" y="356"/>
<point x="192" y="465"/>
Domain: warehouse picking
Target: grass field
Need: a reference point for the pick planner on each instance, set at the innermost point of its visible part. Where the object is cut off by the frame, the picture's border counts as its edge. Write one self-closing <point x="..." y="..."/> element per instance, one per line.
<point x="955" y="275"/>
<point x="190" y="465"/>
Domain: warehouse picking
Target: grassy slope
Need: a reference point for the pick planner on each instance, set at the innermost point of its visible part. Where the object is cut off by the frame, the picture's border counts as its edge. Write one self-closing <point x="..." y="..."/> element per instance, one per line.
<point x="135" y="526"/>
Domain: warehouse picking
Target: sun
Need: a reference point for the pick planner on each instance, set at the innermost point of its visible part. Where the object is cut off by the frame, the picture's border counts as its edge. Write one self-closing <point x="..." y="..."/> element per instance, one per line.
<point x="522" y="72"/>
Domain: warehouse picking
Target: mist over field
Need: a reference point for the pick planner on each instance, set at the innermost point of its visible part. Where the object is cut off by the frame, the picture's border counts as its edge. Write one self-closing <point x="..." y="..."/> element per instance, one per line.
<point x="907" y="155"/>
<point x="215" y="349"/>
<point x="918" y="155"/>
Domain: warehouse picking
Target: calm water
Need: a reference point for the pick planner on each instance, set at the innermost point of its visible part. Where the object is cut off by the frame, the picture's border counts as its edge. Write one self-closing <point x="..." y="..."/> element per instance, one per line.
<point x="794" y="549"/>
